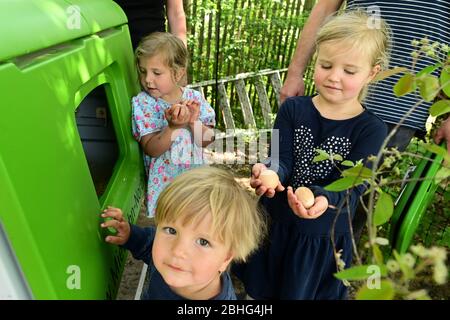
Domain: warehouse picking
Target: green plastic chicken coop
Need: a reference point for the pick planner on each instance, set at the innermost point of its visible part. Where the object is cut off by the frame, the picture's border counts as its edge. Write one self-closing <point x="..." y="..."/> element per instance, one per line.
<point x="411" y="205"/>
<point x="66" y="150"/>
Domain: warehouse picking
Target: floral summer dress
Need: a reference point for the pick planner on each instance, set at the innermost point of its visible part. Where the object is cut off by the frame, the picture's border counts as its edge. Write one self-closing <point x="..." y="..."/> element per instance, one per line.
<point x="148" y="117"/>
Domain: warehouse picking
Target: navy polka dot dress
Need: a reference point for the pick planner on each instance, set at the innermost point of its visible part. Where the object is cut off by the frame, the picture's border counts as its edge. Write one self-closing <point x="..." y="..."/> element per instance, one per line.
<point x="297" y="259"/>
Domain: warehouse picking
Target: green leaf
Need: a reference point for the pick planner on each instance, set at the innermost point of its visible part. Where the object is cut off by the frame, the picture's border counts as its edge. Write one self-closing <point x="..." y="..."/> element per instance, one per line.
<point x="428" y="87"/>
<point x="337" y="157"/>
<point x="383" y="209"/>
<point x="320" y="157"/>
<point x="440" y="151"/>
<point x="441" y="175"/>
<point x="359" y="272"/>
<point x="344" y="184"/>
<point x="358" y="171"/>
<point x="427" y="70"/>
<point x="407" y="271"/>
<point x="378" y="256"/>
<point x="384" y="292"/>
<point x="322" y="152"/>
<point x="440" y="107"/>
<point x="404" y="85"/>
<point x="397" y="256"/>
<point x="347" y="163"/>
<point x="421" y="294"/>
<point x="447" y="196"/>
<point x="435" y="149"/>
<point x="381" y="241"/>
<point x="445" y="80"/>
<point x="387" y="73"/>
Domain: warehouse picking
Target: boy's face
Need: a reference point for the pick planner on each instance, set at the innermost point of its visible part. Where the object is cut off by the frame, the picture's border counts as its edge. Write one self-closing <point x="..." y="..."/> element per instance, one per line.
<point x="189" y="258"/>
<point x="341" y="72"/>
<point x="158" y="79"/>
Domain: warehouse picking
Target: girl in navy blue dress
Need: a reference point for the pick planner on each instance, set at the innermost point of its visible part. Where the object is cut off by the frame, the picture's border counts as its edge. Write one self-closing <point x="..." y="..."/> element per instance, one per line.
<point x="297" y="261"/>
<point x="204" y="221"/>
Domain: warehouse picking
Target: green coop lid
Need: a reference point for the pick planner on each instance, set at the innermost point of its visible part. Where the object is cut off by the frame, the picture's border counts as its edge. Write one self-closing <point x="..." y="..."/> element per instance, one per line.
<point x="58" y="22"/>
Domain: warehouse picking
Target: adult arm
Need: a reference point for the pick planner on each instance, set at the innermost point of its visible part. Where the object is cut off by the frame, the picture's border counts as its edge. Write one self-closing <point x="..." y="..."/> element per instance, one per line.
<point x="293" y="84"/>
<point x="177" y="19"/>
<point x="444" y="133"/>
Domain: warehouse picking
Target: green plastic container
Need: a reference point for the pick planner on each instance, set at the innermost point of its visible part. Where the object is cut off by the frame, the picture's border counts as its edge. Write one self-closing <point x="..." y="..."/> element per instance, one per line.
<point x="66" y="150"/>
<point x="413" y="202"/>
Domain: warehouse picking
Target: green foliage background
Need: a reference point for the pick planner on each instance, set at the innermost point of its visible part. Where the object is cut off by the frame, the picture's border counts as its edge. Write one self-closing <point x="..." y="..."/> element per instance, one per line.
<point x="228" y="37"/>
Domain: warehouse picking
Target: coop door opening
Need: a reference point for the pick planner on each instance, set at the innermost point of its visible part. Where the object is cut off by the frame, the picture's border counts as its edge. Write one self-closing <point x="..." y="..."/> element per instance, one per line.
<point x="97" y="135"/>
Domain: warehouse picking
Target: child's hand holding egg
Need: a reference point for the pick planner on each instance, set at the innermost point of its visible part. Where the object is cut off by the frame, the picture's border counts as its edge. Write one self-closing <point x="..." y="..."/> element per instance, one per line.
<point x="305" y="196"/>
<point x="305" y="205"/>
<point x="265" y="181"/>
<point x="269" y="178"/>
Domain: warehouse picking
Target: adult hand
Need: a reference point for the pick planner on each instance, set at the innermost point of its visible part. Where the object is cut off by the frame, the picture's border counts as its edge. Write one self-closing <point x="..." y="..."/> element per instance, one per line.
<point x="117" y="222"/>
<point x="319" y="207"/>
<point x="444" y="133"/>
<point x="293" y="86"/>
<point x="256" y="183"/>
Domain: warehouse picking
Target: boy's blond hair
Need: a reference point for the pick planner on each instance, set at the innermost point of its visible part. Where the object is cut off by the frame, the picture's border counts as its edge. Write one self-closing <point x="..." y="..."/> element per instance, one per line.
<point x="369" y="34"/>
<point x="236" y="220"/>
<point x="173" y="50"/>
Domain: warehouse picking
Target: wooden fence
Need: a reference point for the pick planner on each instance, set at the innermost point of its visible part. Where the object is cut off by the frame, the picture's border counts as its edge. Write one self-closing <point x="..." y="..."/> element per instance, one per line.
<point x="257" y="96"/>
<point x="228" y="37"/>
<point x="239" y="37"/>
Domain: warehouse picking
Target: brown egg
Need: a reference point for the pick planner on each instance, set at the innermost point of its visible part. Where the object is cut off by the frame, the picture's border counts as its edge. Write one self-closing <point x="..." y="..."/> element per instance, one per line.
<point x="305" y="196"/>
<point x="269" y="178"/>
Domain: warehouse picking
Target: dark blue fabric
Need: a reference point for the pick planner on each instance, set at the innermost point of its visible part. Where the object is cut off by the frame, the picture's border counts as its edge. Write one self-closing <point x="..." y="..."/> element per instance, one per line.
<point x="144" y="17"/>
<point x="297" y="261"/>
<point x="302" y="129"/>
<point x="140" y="245"/>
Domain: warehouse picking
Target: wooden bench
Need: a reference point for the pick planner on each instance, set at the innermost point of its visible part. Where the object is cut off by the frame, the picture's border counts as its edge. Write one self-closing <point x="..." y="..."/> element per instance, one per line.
<point x="255" y="91"/>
